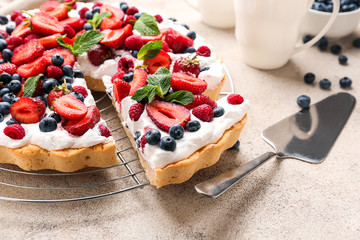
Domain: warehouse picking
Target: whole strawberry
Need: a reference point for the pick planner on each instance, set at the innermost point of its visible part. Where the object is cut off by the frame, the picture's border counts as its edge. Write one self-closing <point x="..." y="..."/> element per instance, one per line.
<point x="98" y="54"/>
<point x="187" y="65"/>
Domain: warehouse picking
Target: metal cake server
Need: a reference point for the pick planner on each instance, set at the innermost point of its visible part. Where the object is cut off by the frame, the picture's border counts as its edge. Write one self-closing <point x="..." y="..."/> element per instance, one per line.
<point x="307" y="135"/>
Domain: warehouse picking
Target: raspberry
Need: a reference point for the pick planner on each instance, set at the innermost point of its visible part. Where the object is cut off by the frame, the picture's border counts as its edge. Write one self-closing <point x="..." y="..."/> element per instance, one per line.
<point x="203" y="112"/>
<point x="14" y="15"/>
<point x="83" y="11"/>
<point x="54" y="72"/>
<point x="187" y="65"/>
<point x="235" y="99"/>
<point x="97" y="4"/>
<point x="104" y="131"/>
<point x="203" y="51"/>
<point x="126" y="64"/>
<point x="165" y="47"/>
<point x="19" y="19"/>
<point x="134" y="42"/>
<point x="159" y="19"/>
<point x="132" y="11"/>
<point x="13" y="42"/>
<point x="80" y="89"/>
<point x="143" y="142"/>
<point x="135" y="111"/>
<point x="15" y="131"/>
<point x="130" y="20"/>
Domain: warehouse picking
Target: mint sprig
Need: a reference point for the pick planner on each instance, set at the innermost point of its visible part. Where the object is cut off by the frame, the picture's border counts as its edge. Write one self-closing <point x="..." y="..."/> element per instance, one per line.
<point x="97" y="18"/>
<point x="30" y="85"/>
<point x="147" y="25"/>
<point x="182" y="97"/>
<point x="82" y="43"/>
<point x="162" y="79"/>
<point x="150" y="50"/>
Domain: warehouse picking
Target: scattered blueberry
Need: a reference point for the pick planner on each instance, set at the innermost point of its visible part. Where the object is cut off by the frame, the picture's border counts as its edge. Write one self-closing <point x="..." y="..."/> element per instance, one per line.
<point x="67" y="70"/>
<point x="185" y="26"/>
<point x="9" y="97"/>
<point x="45" y="79"/>
<point x="137" y="135"/>
<point x="87" y="26"/>
<point x="48" y="124"/>
<point x="5" y="78"/>
<point x="303" y="101"/>
<point x="218" y="111"/>
<point x="12" y="121"/>
<point x="309" y="78"/>
<point x="124" y="6"/>
<point x="89" y="15"/>
<point x="57" y="59"/>
<point x="67" y="79"/>
<point x="14" y="86"/>
<point x="78" y="74"/>
<point x="176" y="131"/>
<point x="191" y="35"/>
<point x="190" y="50"/>
<point x="307" y="38"/>
<point x="236" y="146"/>
<point x="3" y="20"/>
<point x="168" y="143"/>
<point x="55" y="116"/>
<point x="42" y="99"/>
<point x="173" y="19"/>
<point x="325" y="83"/>
<point x="134" y="53"/>
<point x="4" y="108"/>
<point x="3" y="91"/>
<point x="327" y="6"/>
<point x="356" y="42"/>
<point x="10" y="29"/>
<point x="193" y="125"/>
<point x="49" y="85"/>
<point x="3" y="44"/>
<point x="16" y="77"/>
<point x="322" y="44"/>
<point x="69" y="86"/>
<point x="335" y="49"/>
<point x="205" y="69"/>
<point x="153" y="136"/>
<point x="137" y="15"/>
<point x="79" y="96"/>
<point x="1" y="118"/>
<point x="128" y="77"/>
<point x="1" y="36"/>
<point x="345" y="82"/>
<point x="7" y="54"/>
<point x="343" y="59"/>
<point x="95" y="10"/>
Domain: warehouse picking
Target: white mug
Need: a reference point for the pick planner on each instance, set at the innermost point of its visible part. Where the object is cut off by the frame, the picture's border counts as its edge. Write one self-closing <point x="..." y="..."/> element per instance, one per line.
<point x="215" y="13"/>
<point x="267" y="30"/>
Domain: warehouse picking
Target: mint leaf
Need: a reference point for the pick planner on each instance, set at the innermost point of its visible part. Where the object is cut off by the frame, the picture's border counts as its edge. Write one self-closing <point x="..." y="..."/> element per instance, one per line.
<point x="150" y="50"/>
<point x="30" y="85"/>
<point x="97" y="18"/>
<point x="147" y="91"/>
<point x="161" y="78"/>
<point x="62" y="43"/>
<point x="182" y="97"/>
<point x="147" y="25"/>
<point x="85" y="41"/>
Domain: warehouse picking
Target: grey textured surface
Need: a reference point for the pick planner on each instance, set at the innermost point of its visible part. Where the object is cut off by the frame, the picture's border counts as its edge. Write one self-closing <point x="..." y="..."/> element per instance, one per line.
<point x="285" y="199"/>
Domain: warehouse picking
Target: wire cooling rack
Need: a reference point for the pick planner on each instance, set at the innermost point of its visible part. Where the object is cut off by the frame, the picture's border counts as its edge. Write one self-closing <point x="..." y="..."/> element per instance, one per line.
<point x="52" y="186"/>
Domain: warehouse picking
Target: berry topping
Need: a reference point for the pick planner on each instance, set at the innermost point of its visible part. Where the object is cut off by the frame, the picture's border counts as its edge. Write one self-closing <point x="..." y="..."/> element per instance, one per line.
<point x="49" y="6"/>
<point x="14" y="15"/>
<point x="182" y="81"/>
<point x="203" y="51"/>
<point x="78" y="74"/>
<point x="7" y="54"/>
<point x="46" y="24"/>
<point x="14" y="86"/>
<point x="153" y="136"/>
<point x="54" y="72"/>
<point x="134" y="42"/>
<point x="57" y="59"/>
<point x="82" y="12"/>
<point x="177" y="42"/>
<point x="69" y="58"/>
<point x="343" y="59"/>
<point x="115" y="38"/>
<point x="218" y="112"/>
<point x="50" y="41"/>
<point x="235" y="99"/>
<point x="168" y="143"/>
<point x="190" y="50"/>
<point x="132" y="10"/>
<point x="309" y="78"/>
<point x="12" y="121"/>
<point x="80" y="89"/>
<point x="303" y="101"/>
<point x="118" y="75"/>
<point x="166" y="114"/>
<point x="53" y="95"/>
<point x="130" y="20"/>
<point x="48" y="124"/>
<point x="176" y="131"/>
<point x="15" y="131"/>
<point x="115" y="21"/>
<point x="345" y="82"/>
<point x="69" y="107"/>
<point x="325" y="83"/>
<point x="135" y="111"/>
<point x="79" y="96"/>
<point x="28" y="110"/>
<point x="201" y="99"/>
<point x="128" y="77"/>
<point x="8" y="68"/>
<point x="193" y="126"/>
<point x="124" y="6"/>
<point x="139" y="80"/>
<point x="4" y="108"/>
<point x="187" y="65"/>
<point x="191" y="35"/>
<point x="13" y="42"/>
<point x="161" y="60"/>
<point x="158" y="18"/>
<point x="203" y="112"/>
<point x="55" y="116"/>
<point x="49" y="84"/>
<point x="21" y="30"/>
<point x="98" y="54"/>
<point x="32" y="68"/>
<point x="126" y="64"/>
<point x="105" y="131"/>
<point x="121" y="89"/>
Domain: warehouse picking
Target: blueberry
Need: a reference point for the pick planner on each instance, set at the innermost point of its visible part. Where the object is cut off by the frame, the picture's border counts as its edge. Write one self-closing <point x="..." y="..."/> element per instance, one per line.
<point x="45" y="79"/>
<point x="42" y="99"/>
<point x="55" y="116"/>
<point x="128" y="77"/>
<point x="193" y="125"/>
<point x="12" y="121"/>
<point x="345" y="82"/>
<point x="3" y="91"/>
<point x="67" y="79"/>
<point x="307" y="38"/>
<point x="168" y="143"/>
<point x="78" y="74"/>
<point x="325" y="83"/>
<point x="79" y="96"/>
<point x="205" y="69"/>
<point x="1" y="36"/>
<point x="5" y="78"/>
<point x="124" y="6"/>
<point x="95" y="10"/>
<point x="335" y="49"/>
<point x="89" y="15"/>
<point x="218" y="111"/>
<point x="236" y="146"/>
<point x="3" y="44"/>
<point x="343" y="59"/>
<point x="134" y="53"/>
<point x="9" y="97"/>
<point x="190" y="50"/>
<point x="15" y="86"/>
<point x="69" y="86"/>
<point x="191" y="35"/>
<point x="1" y="118"/>
<point x="356" y="42"/>
<point x="309" y="78"/>
<point x="144" y="101"/>
<point x="49" y="85"/>
<point x="153" y="136"/>
<point x="87" y="26"/>
<point x="4" y="108"/>
<point x="322" y="44"/>
<point x="67" y="70"/>
<point x="185" y="26"/>
<point x="137" y="15"/>
<point x="176" y="131"/>
<point x="3" y="20"/>
<point x="137" y="135"/>
<point x="303" y="101"/>
<point x="10" y="29"/>
<point x="16" y="77"/>
<point x="57" y="59"/>
<point x="7" y="54"/>
<point x="173" y="19"/>
<point x="48" y="124"/>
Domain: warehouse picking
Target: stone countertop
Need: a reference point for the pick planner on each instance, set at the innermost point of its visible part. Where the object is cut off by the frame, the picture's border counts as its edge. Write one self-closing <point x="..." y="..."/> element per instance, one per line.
<point x="284" y="199"/>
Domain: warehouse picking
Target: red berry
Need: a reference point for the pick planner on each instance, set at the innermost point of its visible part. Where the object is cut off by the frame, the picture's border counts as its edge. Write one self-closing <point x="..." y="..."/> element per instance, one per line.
<point x="203" y="112"/>
<point x="53" y="95"/>
<point x="142" y="142"/>
<point x="4" y="33"/>
<point x="115" y="21"/>
<point x="21" y="30"/>
<point x="118" y="75"/>
<point x="114" y="38"/>
<point x="177" y="42"/>
<point x="135" y="111"/>
<point x="83" y="11"/>
<point x="97" y="4"/>
<point x="132" y="10"/>
<point x="28" y="110"/>
<point x="183" y="81"/>
<point x="187" y="65"/>
<point x="159" y="18"/>
<point x="80" y="89"/>
<point x="200" y="99"/>
<point x="69" y="107"/>
<point x="32" y="68"/>
<point x="33" y="36"/>
<point x="75" y="23"/>
<point x="14" y="15"/>
<point x="235" y="99"/>
<point x="13" y="42"/>
<point x="126" y="64"/>
<point x="69" y="31"/>
<point x="49" y="6"/>
<point x="8" y="67"/>
<point x="130" y="19"/>
<point x="19" y="19"/>
<point x="98" y="54"/>
<point x="165" y="47"/>
<point x="161" y="60"/>
<point x="104" y="131"/>
<point x="73" y="5"/>
<point x="15" y="131"/>
<point x="81" y="126"/>
<point x="46" y="24"/>
<point x="134" y="42"/>
<point x="27" y="52"/>
<point x="121" y="89"/>
<point x="54" y="72"/>
<point x="203" y="51"/>
<point x="138" y="81"/>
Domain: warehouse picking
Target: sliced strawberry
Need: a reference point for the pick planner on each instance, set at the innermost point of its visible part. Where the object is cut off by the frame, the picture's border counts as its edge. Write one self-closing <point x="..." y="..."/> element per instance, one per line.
<point x="78" y="34"/>
<point x="81" y="126"/>
<point x="166" y="114"/>
<point x="60" y="12"/>
<point x="8" y="67"/>
<point x="115" y="38"/>
<point x="147" y="39"/>
<point x="53" y="95"/>
<point x="32" y="36"/>
<point x="21" y="30"/>
<point x="28" y="110"/>
<point x="121" y="89"/>
<point x="139" y="80"/>
<point x="32" y="68"/>
<point x="69" y="41"/>
<point x="49" y="6"/>
<point x="74" y="22"/>
<point x="46" y="24"/>
<point x="27" y="52"/>
<point x="200" y="99"/>
<point x="183" y="81"/>
<point x="69" y="107"/>
<point x="69" y="58"/>
<point x="113" y="22"/>
<point x="177" y="42"/>
<point x="50" y="41"/>
<point x="161" y="60"/>
<point x="118" y="75"/>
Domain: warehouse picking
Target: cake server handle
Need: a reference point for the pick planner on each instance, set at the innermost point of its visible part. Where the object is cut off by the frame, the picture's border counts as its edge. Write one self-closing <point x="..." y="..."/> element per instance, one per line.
<point x="217" y="185"/>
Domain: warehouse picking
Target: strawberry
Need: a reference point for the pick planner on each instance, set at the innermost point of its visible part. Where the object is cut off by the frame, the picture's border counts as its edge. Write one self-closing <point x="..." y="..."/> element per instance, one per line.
<point x="130" y="20"/>
<point x="69" y="41"/>
<point x="113" y="22"/>
<point x="8" y="67"/>
<point x="74" y="22"/>
<point x="27" y="52"/>
<point x="134" y="42"/>
<point x="13" y="42"/>
<point x="158" y="18"/>
<point x="69" y="107"/>
<point x="97" y="4"/>
<point x="73" y="4"/>
<point x="132" y="11"/>
<point x="115" y="38"/>
<point x="177" y="42"/>
<point x="161" y="60"/>
<point x="203" y="112"/>
<point x="69" y="58"/>
<point x="54" y="72"/>
<point x="187" y="65"/>
<point x="182" y="81"/>
<point x="203" y="51"/>
<point x="49" y="6"/>
<point x="14" y="131"/>
<point x="69" y="31"/>
<point x="46" y="24"/>
<point x="21" y="30"/>
<point x="81" y="126"/>
<point x="166" y="114"/>
<point x="32" y="36"/>
<point x="121" y="89"/>
<point x="118" y="75"/>
<point x="28" y="110"/>
<point x="126" y="64"/>
<point x="78" y="34"/>
<point x="200" y="99"/>
<point x="135" y="111"/>
<point x="139" y="80"/>
<point x="80" y="89"/>
<point x="104" y="131"/>
<point x="98" y="54"/>
<point x="53" y="95"/>
<point x="32" y="68"/>
<point x="50" y="41"/>
<point x="147" y="39"/>
<point x="235" y="99"/>
<point x="60" y="12"/>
